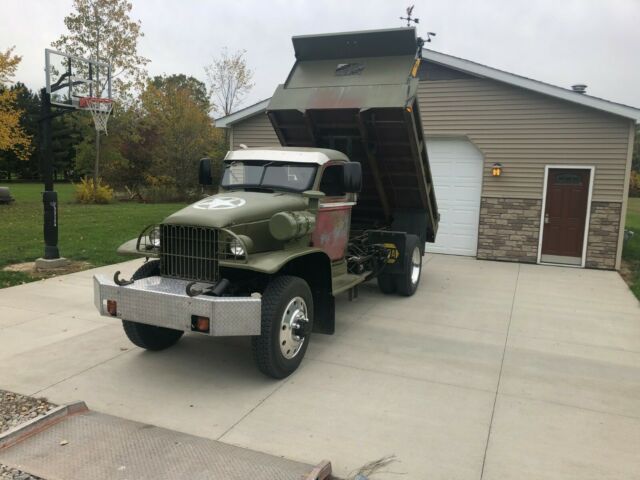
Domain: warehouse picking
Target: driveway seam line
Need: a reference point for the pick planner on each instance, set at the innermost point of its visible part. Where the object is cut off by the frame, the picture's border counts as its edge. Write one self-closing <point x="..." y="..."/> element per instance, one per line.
<point x="66" y="339"/>
<point x="579" y="344"/>
<point x="447" y="325"/>
<point x="567" y="405"/>
<point x="504" y="352"/>
<point x="406" y="377"/>
<point x="83" y="371"/>
<point x="282" y="384"/>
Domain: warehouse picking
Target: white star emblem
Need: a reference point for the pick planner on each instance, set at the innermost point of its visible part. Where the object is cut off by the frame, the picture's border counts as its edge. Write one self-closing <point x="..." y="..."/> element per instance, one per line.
<point x="220" y="203"/>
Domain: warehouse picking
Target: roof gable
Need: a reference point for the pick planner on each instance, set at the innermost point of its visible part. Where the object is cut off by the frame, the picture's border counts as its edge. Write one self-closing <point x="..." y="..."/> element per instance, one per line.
<point x="467" y="67"/>
<point x="483" y="71"/>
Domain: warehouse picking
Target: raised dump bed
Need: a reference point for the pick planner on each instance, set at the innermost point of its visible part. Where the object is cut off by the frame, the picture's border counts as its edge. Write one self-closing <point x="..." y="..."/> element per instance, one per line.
<point x="356" y="92"/>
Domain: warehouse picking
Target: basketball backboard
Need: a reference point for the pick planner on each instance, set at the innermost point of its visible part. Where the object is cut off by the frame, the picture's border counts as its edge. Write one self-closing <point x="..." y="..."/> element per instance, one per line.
<point x="70" y="78"/>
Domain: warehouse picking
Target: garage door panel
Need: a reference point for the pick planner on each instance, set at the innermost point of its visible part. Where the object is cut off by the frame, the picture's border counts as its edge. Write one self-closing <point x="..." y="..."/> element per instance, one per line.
<point x="456" y="167"/>
<point x="464" y="218"/>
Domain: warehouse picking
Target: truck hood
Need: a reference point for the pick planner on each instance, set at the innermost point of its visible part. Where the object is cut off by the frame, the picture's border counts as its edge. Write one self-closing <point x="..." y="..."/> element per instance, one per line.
<point x="237" y="207"/>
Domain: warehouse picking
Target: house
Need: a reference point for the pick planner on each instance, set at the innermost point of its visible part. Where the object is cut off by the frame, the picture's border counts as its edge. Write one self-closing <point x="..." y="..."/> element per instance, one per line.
<point x="523" y="171"/>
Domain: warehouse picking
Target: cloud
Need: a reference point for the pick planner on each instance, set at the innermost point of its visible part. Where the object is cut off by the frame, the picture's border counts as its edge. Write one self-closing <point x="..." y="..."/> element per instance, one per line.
<point x="559" y="42"/>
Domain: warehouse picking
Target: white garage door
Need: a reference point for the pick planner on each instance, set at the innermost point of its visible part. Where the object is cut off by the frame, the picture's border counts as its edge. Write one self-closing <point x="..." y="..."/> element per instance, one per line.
<point x="456" y="166"/>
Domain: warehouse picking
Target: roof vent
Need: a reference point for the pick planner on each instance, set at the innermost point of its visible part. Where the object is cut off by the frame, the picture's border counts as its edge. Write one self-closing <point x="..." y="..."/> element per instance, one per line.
<point x="580" y="88"/>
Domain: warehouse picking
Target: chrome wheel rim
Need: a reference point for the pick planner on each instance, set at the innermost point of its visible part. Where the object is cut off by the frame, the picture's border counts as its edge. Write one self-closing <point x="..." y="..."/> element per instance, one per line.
<point x="294" y="313"/>
<point x="416" y="265"/>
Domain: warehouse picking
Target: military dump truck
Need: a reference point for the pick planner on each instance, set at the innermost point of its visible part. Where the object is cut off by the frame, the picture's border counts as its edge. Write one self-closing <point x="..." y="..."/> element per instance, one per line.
<point x="347" y="198"/>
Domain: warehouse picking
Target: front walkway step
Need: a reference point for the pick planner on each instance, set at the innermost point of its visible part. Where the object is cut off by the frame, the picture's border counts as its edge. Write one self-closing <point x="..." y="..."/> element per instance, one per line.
<point x="90" y="445"/>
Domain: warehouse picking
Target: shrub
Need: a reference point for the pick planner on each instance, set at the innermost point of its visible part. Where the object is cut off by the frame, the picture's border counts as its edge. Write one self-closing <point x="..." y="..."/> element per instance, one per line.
<point x="86" y="192"/>
<point x="161" y="189"/>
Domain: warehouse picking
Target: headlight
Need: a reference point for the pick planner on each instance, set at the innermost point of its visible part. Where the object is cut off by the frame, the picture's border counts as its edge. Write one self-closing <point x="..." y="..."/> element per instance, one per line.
<point x="236" y="248"/>
<point x="154" y="237"/>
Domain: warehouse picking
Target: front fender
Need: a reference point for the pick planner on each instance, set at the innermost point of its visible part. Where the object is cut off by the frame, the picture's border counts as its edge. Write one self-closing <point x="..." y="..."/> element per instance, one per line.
<point x="270" y="262"/>
<point x="130" y="248"/>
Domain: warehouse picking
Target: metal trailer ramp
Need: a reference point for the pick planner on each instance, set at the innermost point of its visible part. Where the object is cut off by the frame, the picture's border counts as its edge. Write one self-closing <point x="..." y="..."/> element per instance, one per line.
<point x="91" y="445"/>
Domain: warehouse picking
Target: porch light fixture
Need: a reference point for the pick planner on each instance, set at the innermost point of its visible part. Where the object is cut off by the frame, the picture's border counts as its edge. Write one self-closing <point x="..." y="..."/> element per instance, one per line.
<point x="496" y="169"/>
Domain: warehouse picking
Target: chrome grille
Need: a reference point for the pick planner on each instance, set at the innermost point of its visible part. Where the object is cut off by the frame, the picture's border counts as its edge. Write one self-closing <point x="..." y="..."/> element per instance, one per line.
<point x="189" y="252"/>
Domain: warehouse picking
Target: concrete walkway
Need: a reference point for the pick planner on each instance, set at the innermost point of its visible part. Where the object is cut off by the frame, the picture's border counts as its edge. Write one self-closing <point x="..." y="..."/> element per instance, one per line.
<point x="492" y="370"/>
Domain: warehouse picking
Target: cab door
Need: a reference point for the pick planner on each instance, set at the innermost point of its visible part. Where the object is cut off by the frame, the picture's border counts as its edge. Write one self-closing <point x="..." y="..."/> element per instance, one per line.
<point x="333" y="221"/>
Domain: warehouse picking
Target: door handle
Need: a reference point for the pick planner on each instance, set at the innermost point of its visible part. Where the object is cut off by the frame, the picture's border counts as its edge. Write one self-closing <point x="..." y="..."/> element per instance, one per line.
<point x="546" y="218"/>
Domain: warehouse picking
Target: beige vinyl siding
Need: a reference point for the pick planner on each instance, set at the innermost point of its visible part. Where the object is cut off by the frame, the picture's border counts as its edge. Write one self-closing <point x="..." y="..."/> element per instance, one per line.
<point x="254" y="131"/>
<point x="525" y="131"/>
<point x="522" y="130"/>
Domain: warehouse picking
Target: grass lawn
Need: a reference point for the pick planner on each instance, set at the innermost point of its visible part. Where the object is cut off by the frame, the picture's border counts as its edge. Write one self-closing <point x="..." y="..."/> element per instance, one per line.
<point x="92" y="233"/>
<point x="631" y="251"/>
<point x="88" y="233"/>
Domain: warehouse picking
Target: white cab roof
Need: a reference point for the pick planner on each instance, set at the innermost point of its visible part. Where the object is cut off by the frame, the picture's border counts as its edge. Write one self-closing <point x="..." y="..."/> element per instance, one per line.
<point x="318" y="156"/>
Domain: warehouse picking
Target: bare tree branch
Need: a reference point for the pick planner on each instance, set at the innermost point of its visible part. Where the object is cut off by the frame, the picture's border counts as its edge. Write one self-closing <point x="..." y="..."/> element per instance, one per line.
<point x="229" y="80"/>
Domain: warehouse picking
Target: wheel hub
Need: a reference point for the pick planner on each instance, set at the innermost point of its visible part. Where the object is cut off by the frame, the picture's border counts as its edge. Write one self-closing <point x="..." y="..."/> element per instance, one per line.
<point x="416" y="264"/>
<point x="294" y="327"/>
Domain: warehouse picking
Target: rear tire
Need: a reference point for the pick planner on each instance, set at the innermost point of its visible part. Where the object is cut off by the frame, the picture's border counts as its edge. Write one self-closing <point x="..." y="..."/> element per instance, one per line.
<point x="145" y="336"/>
<point x="387" y="283"/>
<point x="407" y="282"/>
<point x="278" y="351"/>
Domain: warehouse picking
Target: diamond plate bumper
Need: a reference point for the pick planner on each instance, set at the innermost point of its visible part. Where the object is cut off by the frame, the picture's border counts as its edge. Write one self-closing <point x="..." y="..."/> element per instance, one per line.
<point x="163" y="302"/>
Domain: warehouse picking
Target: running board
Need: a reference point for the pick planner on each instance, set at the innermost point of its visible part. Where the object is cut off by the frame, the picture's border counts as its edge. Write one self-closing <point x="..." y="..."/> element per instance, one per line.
<point x="347" y="281"/>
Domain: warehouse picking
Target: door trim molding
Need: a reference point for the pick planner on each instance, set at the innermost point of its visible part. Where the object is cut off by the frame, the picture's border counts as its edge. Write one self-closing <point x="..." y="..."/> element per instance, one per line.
<point x="587" y="220"/>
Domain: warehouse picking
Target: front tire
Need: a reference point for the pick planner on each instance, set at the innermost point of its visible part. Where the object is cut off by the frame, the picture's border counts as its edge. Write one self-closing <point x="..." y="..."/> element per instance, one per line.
<point x="287" y="320"/>
<point x="145" y="336"/>
<point x="151" y="337"/>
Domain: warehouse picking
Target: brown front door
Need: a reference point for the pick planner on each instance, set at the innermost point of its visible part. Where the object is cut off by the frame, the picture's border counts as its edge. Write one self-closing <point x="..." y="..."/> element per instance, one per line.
<point x="565" y="214"/>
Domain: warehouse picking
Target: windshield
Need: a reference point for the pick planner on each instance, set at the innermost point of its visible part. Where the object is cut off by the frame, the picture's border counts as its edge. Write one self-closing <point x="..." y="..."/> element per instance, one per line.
<point x="273" y="175"/>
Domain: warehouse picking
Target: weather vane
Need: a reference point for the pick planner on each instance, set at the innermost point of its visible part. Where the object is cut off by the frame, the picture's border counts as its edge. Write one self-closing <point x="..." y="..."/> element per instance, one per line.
<point x="410" y="19"/>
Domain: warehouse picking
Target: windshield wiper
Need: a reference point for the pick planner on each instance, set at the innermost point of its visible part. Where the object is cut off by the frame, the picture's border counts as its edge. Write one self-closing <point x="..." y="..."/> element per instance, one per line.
<point x="264" y="170"/>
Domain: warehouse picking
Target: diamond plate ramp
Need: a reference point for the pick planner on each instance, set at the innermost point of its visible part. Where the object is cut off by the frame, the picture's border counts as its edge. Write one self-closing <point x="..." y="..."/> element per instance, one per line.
<point x="96" y="446"/>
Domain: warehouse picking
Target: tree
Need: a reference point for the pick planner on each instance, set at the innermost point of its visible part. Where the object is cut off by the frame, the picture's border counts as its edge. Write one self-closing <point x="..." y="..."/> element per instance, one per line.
<point x="13" y="137"/>
<point x="197" y="89"/>
<point x="28" y="103"/>
<point x="104" y="31"/>
<point x="229" y="81"/>
<point x="183" y="128"/>
<point x="67" y="132"/>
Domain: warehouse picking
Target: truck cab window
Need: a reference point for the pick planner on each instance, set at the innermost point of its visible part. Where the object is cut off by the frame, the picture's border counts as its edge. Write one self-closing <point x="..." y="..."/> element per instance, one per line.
<point x="272" y="175"/>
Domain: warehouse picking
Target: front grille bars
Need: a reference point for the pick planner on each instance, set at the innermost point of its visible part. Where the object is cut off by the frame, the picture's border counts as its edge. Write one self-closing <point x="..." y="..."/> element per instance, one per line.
<point x="192" y="252"/>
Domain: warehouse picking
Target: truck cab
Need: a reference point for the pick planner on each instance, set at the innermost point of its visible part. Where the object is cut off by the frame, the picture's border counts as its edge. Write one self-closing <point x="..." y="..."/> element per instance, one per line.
<point x="347" y="198"/>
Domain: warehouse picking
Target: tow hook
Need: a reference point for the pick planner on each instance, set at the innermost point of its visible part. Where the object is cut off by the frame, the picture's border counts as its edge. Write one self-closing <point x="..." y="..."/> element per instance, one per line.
<point x="301" y="327"/>
<point x="120" y="281"/>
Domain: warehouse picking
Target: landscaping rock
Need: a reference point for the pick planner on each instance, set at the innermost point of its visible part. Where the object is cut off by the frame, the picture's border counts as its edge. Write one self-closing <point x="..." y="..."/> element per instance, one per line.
<point x="14" y="410"/>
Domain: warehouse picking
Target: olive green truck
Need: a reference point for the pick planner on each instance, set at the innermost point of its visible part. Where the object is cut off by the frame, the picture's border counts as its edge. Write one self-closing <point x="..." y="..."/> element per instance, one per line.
<point x="347" y="198"/>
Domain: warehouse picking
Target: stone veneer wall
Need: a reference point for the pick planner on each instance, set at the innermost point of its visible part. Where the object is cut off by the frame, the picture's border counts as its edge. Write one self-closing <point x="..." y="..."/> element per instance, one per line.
<point x="509" y="229"/>
<point x="604" y="226"/>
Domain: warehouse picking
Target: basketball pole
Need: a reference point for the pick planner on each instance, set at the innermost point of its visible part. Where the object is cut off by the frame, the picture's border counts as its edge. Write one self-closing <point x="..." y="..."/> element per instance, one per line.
<point x="49" y="196"/>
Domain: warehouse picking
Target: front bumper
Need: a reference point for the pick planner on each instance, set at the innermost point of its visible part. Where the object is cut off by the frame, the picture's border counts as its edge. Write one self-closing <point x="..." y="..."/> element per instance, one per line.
<point x="163" y="302"/>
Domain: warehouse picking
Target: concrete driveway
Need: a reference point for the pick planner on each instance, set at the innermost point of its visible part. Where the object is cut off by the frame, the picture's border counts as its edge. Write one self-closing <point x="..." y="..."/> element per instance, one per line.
<point x="492" y="370"/>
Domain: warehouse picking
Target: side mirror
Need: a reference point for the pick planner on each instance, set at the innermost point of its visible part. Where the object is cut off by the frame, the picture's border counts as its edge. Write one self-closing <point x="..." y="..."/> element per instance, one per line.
<point x="352" y="177"/>
<point x="204" y="172"/>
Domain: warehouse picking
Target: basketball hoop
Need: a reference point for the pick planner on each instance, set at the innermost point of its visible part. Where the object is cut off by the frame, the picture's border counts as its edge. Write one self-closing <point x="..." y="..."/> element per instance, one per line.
<point x="100" y="109"/>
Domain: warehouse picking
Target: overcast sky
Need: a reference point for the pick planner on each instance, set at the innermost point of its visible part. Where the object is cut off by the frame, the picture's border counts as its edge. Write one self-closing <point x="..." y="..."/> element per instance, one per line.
<point x="562" y="42"/>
